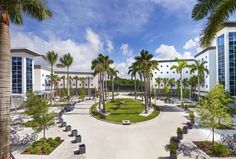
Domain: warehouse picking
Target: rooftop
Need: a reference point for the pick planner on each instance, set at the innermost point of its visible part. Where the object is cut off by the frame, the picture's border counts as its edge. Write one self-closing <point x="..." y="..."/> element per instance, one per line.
<point x="25" y="50"/>
<point x="174" y="60"/>
<point x="74" y="72"/>
<point x="203" y="51"/>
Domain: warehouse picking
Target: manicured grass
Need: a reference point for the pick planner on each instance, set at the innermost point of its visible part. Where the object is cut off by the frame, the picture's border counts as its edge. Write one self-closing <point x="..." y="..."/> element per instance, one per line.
<point x="41" y="148"/>
<point x="124" y="109"/>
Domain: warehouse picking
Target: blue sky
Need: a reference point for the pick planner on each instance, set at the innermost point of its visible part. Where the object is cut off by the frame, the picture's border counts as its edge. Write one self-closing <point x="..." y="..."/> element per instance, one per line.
<point x="118" y="28"/>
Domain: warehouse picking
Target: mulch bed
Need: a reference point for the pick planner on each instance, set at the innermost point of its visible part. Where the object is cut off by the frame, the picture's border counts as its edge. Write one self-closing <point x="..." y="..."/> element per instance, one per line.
<point x="206" y="146"/>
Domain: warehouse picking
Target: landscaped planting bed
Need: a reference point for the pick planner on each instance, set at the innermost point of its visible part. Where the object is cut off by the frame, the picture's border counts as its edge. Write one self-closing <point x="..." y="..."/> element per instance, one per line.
<point x="218" y="150"/>
<point x="41" y="148"/>
<point x="124" y="109"/>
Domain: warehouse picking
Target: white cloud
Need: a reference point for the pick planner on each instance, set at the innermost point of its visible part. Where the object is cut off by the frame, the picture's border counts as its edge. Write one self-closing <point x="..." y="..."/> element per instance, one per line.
<point x="126" y="51"/>
<point x="109" y="46"/>
<point x="83" y="53"/>
<point x="168" y="52"/>
<point x="190" y="44"/>
<point x="123" y="67"/>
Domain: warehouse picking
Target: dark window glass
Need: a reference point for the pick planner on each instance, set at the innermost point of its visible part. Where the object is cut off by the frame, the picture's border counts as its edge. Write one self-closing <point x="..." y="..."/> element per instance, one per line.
<point x="29" y="75"/>
<point x="16" y="75"/>
<point x="232" y="63"/>
<point x="221" y="59"/>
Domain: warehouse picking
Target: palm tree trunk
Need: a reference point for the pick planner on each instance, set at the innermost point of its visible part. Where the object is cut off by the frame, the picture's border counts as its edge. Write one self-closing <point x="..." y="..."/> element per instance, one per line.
<point x="99" y="90"/>
<point x="5" y="57"/>
<point x="103" y="92"/>
<point x="135" y="88"/>
<point x="51" y="84"/>
<point x="112" y="89"/>
<point x="89" y="93"/>
<point x="67" y="83"/>
<point x="145" y="92"/>
<point x="198" y="87"/>
<point x="149" y="92"/>
<point x="76" y="87"/>
<point x="141" y="87"/>
<point x="105" y="87"/>
<point x="181" y="89"/>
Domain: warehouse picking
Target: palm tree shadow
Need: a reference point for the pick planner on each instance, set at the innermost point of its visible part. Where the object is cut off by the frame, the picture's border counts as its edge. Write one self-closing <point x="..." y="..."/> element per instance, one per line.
<point x="167" y="108"/>
<point x="191" y="151"/>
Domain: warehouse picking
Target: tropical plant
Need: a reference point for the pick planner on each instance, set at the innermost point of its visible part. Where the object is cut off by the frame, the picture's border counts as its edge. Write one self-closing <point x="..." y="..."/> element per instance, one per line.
<point x="213" y="108"/>
<point x="112" y="74"/>
<point x="133" y="70"/>
<point x="147" y="64"/>
<point x="185" y="83"/>
<point x="200" y="69"/>
<point x="193" y="83"/>
<point x="216" y="12"/>
<point x="82" y="80"/>
<point x="171" y="84"/>
<point x="55" y="81"/>
<point x="76" y="78"/>
<point x="158" y="81"/>
<point x="100" y="65"/>
<point x="51" y="57"/>
<point x="165" y="81"/>
<point x="179" y="69"/>
<point x="66" y="61"/>
<point x="12" y="11"/>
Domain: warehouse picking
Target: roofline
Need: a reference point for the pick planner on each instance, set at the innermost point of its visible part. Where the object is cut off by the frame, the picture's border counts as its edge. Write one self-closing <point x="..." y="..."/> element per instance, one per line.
<point x="73" y="72"/>
<point x="41" y="67"/>
<point x="203" y="51"/>
<point x="230" y="24"/>
<point x="16" y="50"/>
<point x="174" y="60"/>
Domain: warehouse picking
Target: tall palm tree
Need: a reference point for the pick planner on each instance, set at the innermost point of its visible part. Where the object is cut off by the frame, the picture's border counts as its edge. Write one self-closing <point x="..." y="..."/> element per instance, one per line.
<point x="133" y="70"/>
<point x="147" y="64"/>
<point x="193" y="83"/>
<point x="179" y="69"/>
<point x="51" y="57"/>
<point x="201" y="70"/>
<point x="89" y="80"/>
<point x="165" y="81"/>
<point x="12" y="11"/>
<point x="216" y="12"/>
<point x="112" y="73"/>
<point x="171" y="84"/>
<point x="55" y="81"/>
<point x="63" y="81"/>
<point x="100" y="65"/>
<point x="158" y="81"/>
<point x="82" y="80"/>
<point x="76" y="78"/>
<point x="66" y="61"/>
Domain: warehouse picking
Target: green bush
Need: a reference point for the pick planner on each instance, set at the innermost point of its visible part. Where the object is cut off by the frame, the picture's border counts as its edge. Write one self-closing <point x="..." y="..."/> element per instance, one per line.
<point x="47" y="149"/>
<point x="220" y="150"/>
<point x="191" y="115"/>
<point x="53" y="143"/>
<point x="31" y="123"/>
<point x="58" y="139"/>
<point x="179" y="131"/>
<point x="172" y="147"/>
<point x="36" y="149"/>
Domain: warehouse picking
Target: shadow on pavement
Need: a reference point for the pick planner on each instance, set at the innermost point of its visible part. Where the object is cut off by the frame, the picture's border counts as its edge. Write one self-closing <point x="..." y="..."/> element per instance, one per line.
<point x="167" y="108"/>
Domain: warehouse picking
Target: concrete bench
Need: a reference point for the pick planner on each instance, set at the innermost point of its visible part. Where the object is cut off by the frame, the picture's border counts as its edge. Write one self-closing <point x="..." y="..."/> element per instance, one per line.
<point x="68" y="128"/>
<point x="126" y="122"/>
<point x="82" y="149"/>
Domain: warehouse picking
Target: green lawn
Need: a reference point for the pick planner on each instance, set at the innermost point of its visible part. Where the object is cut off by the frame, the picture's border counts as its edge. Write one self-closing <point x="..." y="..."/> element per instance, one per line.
<point x="129" y="110"/>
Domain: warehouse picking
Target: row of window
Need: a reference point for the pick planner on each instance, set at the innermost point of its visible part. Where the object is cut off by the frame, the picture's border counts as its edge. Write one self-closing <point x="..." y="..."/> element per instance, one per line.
<point x="172" y="72"/>
<point x="79" y="84"/>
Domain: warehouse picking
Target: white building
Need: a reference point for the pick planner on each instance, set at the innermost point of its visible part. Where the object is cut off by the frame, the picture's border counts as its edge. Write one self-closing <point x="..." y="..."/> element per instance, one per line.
<point x="22" y="71"/>
<point x="166" y="72"/>
<point x="208" y="55"/>
<point x="41" y="78"/>
<point x="226" y="57"/>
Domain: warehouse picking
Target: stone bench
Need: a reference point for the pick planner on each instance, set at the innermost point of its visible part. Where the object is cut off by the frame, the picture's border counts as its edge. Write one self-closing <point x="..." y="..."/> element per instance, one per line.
<point x="82" y="149"/>
<point x="68" y="128"/>
<point x="126" y="122"/>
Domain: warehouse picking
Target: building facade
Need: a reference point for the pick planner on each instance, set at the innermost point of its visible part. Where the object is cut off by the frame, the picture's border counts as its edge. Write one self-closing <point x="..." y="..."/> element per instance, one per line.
<point x="42" y="79"/>
<point x="226" y="57"/>
<point x="22" y="71"/>
<point x="208" y="55"/>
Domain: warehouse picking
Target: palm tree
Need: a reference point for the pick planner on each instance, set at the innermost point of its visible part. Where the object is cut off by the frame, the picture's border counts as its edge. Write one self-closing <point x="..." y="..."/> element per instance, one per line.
<point x="171" y="84"/>
<point x="193" y="83"/>
<point x="76" y="78"/>
<point x="100" y="65"/>
<point x="200" y="69"/>
<point x="179" y="69"/>
<point x="158" y="81"/>
<point x="55" y="81"/>
<point x="216" y="12"/>
<point x="165" y="81"/>
<point x="147" y="65"/>
<point x="66" y="61"/>
<point x="113" y="75"/>
<point x="51" y="57"/>
<point x="82" y="80"/>
<point x="133" y="70"/>
<point x="63" y="81"/>
<point x="89" y="80"/>
<point x="12" y="11"/>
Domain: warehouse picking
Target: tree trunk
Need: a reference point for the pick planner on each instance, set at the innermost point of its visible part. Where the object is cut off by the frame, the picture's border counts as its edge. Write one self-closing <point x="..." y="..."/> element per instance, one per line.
<point x="141" y="87"/>
<point x="213" y="136"/>
<point x="76" y="85"/>
<point x="89" y="93"/>
<point x="5" y="58"/>
<point x="68" y="87"/>
<point x="44" y="135"/>
<point x="51" y="94"/>
<point x="181" y="87"/>
<point x="103" y="92"/>
<point x="198" y="85"/>
<point x="112" y="89"/>
<point x="145" y="92"/>
<point x="99" y="90"/>
<point x="135" y="88"/>
<point x="149" y="92"/>
<point x="159" y="91"/>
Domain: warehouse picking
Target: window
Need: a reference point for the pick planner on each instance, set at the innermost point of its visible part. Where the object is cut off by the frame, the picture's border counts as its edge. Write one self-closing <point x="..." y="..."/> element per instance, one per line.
<point x="186" y="71"/>
<point x="29" y="75"/>
<point x="16" y="75"/>
<point x="155" y="72"/>
<point x="161" y="65"/>
<point x="161" y="72"/>
<point x="206" y="57"/>
<point x="43" y="84"/>
<point x="167" y="72"/>
<point x="221" y="59"/>
<point x="167" y="66"/>
<point x="42" y="75"/>
<point x="206" y="76"/>
<point x="91" y="84"/>
<point x="173" y="72"/>
<point x="155" y="85"/>
<point x="232" y="63"/>
<point x="161" y="85"/>
<point x="206" y="86"/>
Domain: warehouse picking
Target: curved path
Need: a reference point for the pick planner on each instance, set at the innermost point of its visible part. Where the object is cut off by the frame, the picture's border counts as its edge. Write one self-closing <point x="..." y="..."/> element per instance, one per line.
<point x="145" y="140"/>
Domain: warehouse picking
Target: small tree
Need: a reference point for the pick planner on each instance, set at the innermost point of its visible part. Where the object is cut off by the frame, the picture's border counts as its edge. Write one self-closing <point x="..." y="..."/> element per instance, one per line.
<point x="82" y="93"/>
<point x="213" y="108"/>
<point x="38" y="108"/>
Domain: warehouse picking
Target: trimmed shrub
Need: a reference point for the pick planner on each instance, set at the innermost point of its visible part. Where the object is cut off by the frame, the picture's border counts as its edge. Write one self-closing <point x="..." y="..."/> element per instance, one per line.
<point x="58" y="139"/>
<point x="220" y="150"/>
<point x="47" y="149"/>
<point x="36" y="149"/>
